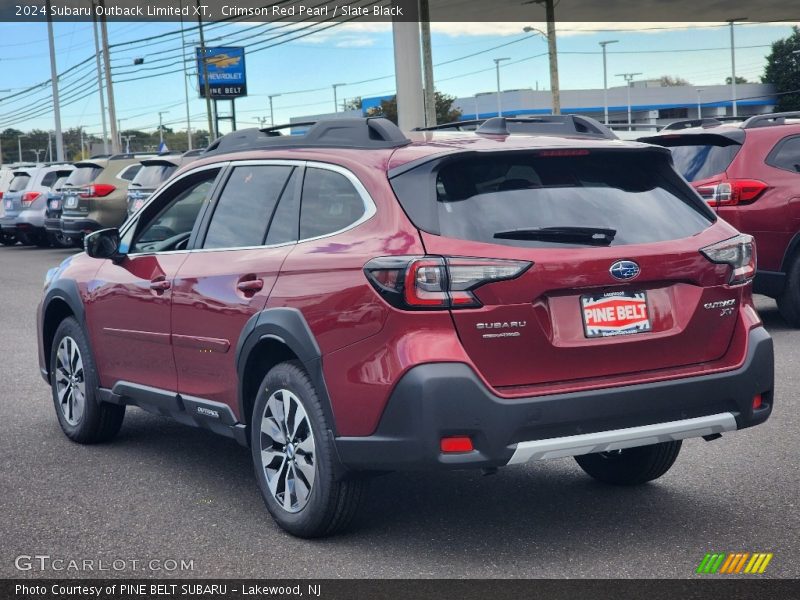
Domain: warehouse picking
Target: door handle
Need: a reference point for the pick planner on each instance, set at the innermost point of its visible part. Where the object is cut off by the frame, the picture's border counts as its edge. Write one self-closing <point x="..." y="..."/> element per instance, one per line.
<point x="251" y="285"/>
<point x="159" y="285"/>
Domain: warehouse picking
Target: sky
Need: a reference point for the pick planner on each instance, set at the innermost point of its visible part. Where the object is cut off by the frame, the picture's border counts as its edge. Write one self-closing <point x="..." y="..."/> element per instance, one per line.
<point x="359" y="55"/>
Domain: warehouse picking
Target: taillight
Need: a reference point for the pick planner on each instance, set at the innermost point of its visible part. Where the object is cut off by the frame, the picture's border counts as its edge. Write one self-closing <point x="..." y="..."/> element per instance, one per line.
<point x="436" y="282"/>
<point x="99" y="190"/>
<point x="730" y="192"/>
<point x="29" y="198"/>
<point x="739" y="252"/>
<point x="1" y="195"/>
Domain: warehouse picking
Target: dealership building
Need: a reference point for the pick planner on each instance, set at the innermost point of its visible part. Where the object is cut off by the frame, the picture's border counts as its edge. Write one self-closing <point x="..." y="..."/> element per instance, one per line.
<point x="651" y="104"/>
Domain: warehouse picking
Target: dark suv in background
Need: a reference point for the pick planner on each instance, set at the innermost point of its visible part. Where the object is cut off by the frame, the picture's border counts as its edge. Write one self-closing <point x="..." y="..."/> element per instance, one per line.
<point x="749" y="173"/>
<point x="354" y="301"/>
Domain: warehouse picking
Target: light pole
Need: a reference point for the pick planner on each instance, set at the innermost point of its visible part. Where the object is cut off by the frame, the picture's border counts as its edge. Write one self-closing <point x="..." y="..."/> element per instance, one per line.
<point x="99" y="81"/>
<point x="128" y="139"/>
<point x="605" y="79"/>
<point x="272" y="114"/>
<point x="19" y="145"/>
<point x="497" y="62"/>
<point x="699" y="111"/>
<point x="629" y="82"/>
<point x="185" y="80"/>
<point x="119" y="133"/>
<point x="335" y="97"/>
<point x="54" y="82"/>
<point x="733" y="65"/>
<point x="161" y="113"/>
<point x="37" y="152"/>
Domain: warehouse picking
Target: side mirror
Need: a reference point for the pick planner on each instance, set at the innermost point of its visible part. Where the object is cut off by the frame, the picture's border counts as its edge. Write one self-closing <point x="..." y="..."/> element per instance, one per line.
<point x="103" y="244"/>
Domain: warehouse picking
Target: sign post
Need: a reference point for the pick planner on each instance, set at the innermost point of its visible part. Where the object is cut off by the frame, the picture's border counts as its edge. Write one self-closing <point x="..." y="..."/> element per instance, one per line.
<point x="227" y="79"/>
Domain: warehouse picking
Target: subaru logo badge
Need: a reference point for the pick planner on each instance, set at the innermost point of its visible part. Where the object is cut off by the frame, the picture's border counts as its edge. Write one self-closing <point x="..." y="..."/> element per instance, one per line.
<point x="624" y="269"/>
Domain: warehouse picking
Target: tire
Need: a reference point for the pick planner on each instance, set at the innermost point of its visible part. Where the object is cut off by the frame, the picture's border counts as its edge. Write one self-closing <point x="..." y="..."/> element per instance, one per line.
<point x="789" y="300"/>
<point x="320" y="502"/>
<point x="25" y="239"/>
<point x="631" y="466"/>
<point x="59" y="240"/>
<point x="7" y="239"/>
<point x="74" y="384"/>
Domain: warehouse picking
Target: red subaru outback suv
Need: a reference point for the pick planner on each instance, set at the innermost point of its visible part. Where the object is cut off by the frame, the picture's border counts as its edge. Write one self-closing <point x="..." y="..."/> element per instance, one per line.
<point x="749" y="173"/>
<point x="351" y="301"/>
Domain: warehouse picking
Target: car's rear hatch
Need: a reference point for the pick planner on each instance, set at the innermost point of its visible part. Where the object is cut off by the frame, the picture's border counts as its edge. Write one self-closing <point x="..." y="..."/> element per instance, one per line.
<point x="78" y="187"/>
<point x="594" y="303"/>
<point x="12" y="199"/>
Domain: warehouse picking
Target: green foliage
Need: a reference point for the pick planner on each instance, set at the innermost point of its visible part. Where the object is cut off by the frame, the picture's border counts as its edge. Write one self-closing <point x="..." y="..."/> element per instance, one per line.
<point x="783" y="71"/>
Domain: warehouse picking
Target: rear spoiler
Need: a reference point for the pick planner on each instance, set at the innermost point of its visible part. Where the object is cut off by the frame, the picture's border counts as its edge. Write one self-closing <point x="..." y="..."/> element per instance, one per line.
<point x="162" y="161"/>
<point x="734" y="137"/>
<point x="87" y="164"/>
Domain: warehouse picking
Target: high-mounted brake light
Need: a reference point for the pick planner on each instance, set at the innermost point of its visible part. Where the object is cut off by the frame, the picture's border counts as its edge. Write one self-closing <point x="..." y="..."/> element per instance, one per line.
<point x="437" y="282"/>
<point x="565" y="152"/>
<point x="29" y="198"/>
<point x="739" y="252"/>
<point x="731" y="192"/>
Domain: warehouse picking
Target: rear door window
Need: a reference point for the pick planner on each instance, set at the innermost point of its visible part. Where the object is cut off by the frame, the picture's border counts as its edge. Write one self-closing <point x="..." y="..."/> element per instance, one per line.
<point x="492" y="198"/>
<point x="786" y="155"/>
<point x="246" y="206"/>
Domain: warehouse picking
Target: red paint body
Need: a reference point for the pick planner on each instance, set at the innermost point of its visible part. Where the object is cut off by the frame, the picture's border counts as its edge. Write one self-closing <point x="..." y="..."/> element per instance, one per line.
<point x="184" y="338"/>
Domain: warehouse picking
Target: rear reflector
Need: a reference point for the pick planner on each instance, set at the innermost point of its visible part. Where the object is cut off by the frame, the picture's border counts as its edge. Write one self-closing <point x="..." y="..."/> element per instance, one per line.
<point x="460" y="443"/>
<point x="757" y="402"/>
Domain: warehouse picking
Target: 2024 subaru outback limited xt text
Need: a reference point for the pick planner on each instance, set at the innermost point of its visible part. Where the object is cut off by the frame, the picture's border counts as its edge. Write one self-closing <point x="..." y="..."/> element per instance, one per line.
<point x="349" y="301"/>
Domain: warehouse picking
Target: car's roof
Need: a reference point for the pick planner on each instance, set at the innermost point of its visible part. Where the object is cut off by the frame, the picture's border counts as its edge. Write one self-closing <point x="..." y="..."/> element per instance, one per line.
<point x="423" y="145"/>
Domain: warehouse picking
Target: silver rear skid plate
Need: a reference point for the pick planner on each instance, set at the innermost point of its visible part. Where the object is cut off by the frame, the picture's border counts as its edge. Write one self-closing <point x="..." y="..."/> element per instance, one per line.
<point x="617" y="439"/>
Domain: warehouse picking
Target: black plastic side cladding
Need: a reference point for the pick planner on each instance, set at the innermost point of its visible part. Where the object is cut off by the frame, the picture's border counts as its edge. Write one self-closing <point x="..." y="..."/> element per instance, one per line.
<point x="289" y="327"/>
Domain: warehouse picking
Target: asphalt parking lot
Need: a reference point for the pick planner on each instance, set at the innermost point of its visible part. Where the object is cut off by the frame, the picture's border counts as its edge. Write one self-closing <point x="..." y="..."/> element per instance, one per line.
<point x="165" y="491"/>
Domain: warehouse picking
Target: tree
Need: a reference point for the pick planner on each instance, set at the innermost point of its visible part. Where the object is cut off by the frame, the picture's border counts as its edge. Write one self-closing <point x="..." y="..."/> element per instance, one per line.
<point x="783" y="71"/>
<point x="670" y="81"/>
<point x="445" y="113"/>
<point x="352" y="104"/>
<point x="739" y="80"/>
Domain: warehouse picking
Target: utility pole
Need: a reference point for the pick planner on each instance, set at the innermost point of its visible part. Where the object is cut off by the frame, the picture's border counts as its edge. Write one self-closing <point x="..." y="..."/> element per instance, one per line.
<point x="161" y="113"/>
<point x="408" y="71"/>
<point x="335" y="97"/>
<point x="50" y="145"/>
<point x="203" y="59"/>
<point x="99" y="81"/>
<point x="497" y="62"/>
<point x="272" y="114"/>
<point x="19" y="145"/>
<point x="54" y="82"/>
<point x="427" y="64"/>
<point x="550" y="15"/>
<point x="112" y="111"/>
<point x="629" y="82"/>
<point x="733" y="65"/>
<point x="605" y="80"/>
<point x="185" y="80"/>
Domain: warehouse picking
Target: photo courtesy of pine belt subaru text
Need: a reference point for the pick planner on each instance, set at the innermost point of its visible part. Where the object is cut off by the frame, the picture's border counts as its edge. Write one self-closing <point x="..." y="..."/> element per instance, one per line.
<point x="349" y="299"/>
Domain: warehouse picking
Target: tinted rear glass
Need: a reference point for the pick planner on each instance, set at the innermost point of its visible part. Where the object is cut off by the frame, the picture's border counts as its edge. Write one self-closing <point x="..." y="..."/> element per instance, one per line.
<point x="19" y="182"/>
<point x="473" y="198"/>
<point x="151" y="176"/>
<point x="700" y="162"/>
<point x="83" y="176"/>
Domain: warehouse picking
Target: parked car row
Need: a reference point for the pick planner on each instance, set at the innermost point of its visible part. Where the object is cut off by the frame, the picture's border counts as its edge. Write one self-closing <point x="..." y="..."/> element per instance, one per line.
<point x="57" y="204"/>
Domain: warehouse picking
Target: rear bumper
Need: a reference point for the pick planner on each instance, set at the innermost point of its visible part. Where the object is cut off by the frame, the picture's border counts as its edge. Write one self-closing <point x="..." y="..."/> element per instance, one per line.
<point x="75" y="227"/>
<point x="53" y="225"/>
<point x="30" y="219"/>
<point x="8" y="224"/>
<point x="445" y="399"/>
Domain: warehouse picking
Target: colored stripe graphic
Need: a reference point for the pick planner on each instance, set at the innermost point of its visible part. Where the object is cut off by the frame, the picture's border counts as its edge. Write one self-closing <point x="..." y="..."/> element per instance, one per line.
<point x="734" y="562"/>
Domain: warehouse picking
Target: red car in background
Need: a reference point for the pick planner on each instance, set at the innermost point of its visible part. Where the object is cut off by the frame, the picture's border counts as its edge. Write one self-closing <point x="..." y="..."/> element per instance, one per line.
<point x="355" y="300"/>
<point x="749" y="173"/>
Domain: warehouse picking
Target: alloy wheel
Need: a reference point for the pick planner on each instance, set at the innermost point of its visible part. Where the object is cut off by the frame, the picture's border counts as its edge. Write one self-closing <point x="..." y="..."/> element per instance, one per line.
<point x="287" y="451"/>
<point x="70" y="382"/>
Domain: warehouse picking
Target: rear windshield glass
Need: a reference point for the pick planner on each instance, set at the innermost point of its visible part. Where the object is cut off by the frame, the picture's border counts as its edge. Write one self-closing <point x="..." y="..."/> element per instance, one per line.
<point x="83" y="176"/>
<point x="638" y="195"/>
<point x="701" y="162"/>
<point x="151" y="176"/>
<point x="19" y="182"/>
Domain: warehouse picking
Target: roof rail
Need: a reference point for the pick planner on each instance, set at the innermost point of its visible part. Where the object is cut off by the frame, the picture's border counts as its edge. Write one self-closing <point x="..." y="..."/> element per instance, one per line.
<point x="457" y="125"/>
<point x="128" y="155"/>
<point x="368" y="133"/>
<point x="770" y="119"/>
<point x="194" y="152"/>
<point x="548" y="125"/>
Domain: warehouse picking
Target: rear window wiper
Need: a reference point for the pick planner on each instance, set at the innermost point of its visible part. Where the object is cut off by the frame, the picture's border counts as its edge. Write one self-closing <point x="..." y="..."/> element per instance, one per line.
<point x="593" y="236"/>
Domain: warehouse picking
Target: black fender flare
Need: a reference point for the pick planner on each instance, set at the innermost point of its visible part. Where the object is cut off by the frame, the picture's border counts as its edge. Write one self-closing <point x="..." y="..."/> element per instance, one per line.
<point x="289" y="327"/>
<point x="791" y="249"/>
<point x="67" y="291"/>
